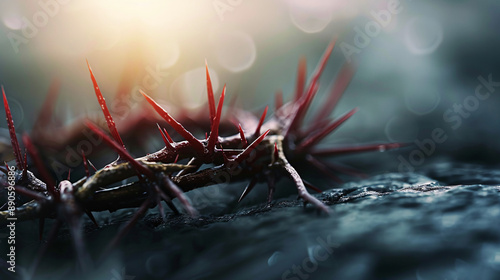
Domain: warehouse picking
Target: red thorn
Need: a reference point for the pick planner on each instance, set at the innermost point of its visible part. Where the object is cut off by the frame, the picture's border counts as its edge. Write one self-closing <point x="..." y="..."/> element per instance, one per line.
<point x="160" y="206"/>
<point x="206" y="135"/>
<point x="224" y="156"/>
<point x="323" y="168"/>
<point x="173" y="188"/>
<point x="12" y="132"/>
<point x="358" y="149"/>
<point x="168" y="136"/>
<point x="301" y="78"/>
<point x="128" y="76"/>
<point x="69" y="174"/>
<point x="305" y="100"/>
<point x="45" y="114"/>
<point x="25" y="167"/>
<point x="92" y="165"/>
<point x="195" y="143"/>
<point x="104" y="107"/>
<point x="278" y="100"/>
<point x="176" y="158"/>
<point x="243" y="155"/>
<point x="344" y="169"/>
<point x="310" y="186"/>
<point x="314" y="139"/>
<point x="316" y="126"/>
<point x="320" y="67"/>
<point x="214" y="132"/>
<point x="210" y="94"/>
<point x="232" y="102"/>
<point x="261" y="121"/>
<point x="85" y="164"/>
<point x="32" y="150"/>
<point x="344" y="78"/>
<point x="167" y="143"/>
<point x="248" y="189"/>
<point x="242" y="136"/>
<point x="120" y="150"/>
<point x="29" y="193"/>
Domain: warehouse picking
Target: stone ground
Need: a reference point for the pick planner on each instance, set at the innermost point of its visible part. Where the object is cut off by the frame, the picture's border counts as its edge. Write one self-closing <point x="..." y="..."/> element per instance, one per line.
<point x="439" y="223"/>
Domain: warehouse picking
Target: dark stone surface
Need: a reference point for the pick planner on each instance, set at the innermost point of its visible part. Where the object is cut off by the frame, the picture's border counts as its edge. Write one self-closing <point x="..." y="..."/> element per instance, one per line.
<point x="440" y="223"/>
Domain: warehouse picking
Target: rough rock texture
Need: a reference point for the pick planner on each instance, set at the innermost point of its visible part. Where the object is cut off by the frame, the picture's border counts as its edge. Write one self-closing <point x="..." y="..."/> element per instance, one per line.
<point x="441" y="223"/>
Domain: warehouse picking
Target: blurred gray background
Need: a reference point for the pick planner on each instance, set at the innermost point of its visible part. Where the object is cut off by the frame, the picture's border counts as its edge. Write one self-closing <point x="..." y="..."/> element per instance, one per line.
<point x="416" y="60"/>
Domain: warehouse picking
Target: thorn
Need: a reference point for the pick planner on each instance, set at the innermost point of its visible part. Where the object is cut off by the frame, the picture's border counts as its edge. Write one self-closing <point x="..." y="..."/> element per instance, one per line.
<point x="92" y="165"/>
<point x="126" y="228"/>
<point x="244" y="155"/>
<point x="310" y="186"/>
<point x="159" y="197"/>
<point x="160" y="209"/>
<point x="91" y="217"/>
<point x="12" y="132"/>
<point x="165" y="140"/>
<point x="346" y="170"/>
<point x="69" y="174"/>
<point x="210" y="93"/>
<point x="339" y="86"/>
<point x="141" y="169"/>
<point x="52" y="235"/>
<point x="195" y="143"/>
<point x="314" y="139"/>
<point x="172" y="207"/>
<point x="76" y="230"/>
<point x="248" y="189"/>
<point x="25" y="168"/>
<point x="214" y="132"/>
<point x="301" y="78"/>
<point x="176" y="158"/>
<point x="358" y="149"/>
<point x="323" y="168"/>
<point x="278" y="100"/>
<point x="316" y="126"/>
<point x="193" y="163"/>
<point x="232" y="103"/>
<point x="104" y="107"/>
<point x="261" y="121"/>
<point x="224" y="156"/>
<point x="168" y="136"/>
<point x="242" y="136"/>
<point x="179" y="194"/>
<point x="305" y="100"/>
<point x="29" y="193"/>
<point x="87" y="173"/>
<point x="167" y="199"/>
<point x="45" y="114"/>
<point x="32" y="150"/>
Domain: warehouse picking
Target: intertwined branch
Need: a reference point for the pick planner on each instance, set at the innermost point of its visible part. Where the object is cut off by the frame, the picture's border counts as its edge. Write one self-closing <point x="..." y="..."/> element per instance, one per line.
<point x="249" y="155"/>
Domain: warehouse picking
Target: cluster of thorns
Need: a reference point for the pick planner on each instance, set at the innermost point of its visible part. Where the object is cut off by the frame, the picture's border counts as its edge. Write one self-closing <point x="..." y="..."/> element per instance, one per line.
<point x="260" y="152"/>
